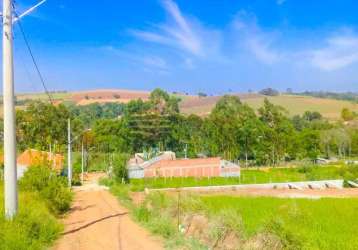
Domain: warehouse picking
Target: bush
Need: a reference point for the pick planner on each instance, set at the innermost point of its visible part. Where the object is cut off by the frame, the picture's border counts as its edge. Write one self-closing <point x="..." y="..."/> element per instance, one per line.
<point x="120" y="171"/>
<point x="349" y="173"/>
<point x="305" y="169"/>
<point x="50" y="187"/>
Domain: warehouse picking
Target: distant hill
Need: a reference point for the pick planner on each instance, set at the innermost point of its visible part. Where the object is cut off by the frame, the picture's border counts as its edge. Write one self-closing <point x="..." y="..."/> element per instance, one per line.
<point x="329" y="108"/>
<point x="88" y="96"/>
<point x="295" y="104"/>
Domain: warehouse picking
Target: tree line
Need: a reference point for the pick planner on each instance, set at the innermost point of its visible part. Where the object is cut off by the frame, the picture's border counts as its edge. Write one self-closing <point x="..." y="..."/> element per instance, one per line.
<point x="233" y="130"/>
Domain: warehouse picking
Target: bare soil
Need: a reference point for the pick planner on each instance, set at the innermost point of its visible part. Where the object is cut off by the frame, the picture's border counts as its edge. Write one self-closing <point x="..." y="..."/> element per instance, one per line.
<point x="108" y="95"/>
<point x="97" y="221"/>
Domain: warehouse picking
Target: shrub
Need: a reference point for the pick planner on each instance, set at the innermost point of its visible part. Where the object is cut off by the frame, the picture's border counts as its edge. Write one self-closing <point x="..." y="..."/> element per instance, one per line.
<point x="349" y="173"/>
<point x="120" y="171"/>
<point x="50" y="187"/>
<point x="305" y="169"/>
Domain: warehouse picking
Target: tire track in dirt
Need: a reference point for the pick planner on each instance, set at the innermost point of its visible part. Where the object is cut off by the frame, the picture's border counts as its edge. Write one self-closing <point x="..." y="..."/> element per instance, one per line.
<point x="97" y="221"/>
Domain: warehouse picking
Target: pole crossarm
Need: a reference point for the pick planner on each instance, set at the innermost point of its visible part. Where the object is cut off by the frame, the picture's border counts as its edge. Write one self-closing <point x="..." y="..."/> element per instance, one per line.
<point x="28" y="11"/>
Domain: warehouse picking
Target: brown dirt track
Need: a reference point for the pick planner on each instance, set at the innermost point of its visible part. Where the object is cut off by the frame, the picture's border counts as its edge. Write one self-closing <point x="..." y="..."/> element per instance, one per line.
<point x="96" y="221"/>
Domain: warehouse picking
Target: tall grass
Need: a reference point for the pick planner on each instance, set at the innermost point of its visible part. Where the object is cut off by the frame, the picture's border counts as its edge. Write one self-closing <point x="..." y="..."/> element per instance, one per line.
<point x="43" y="196"/>
<point x="34" y="227"/>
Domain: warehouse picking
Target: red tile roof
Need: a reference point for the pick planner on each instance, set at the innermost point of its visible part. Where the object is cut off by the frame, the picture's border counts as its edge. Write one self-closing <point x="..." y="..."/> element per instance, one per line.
<point x="198" y="162"/>
<point x="33" y="157"/>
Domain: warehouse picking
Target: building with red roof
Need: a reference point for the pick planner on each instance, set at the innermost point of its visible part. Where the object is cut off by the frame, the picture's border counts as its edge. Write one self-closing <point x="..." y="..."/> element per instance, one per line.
<point x="162" y="166"/>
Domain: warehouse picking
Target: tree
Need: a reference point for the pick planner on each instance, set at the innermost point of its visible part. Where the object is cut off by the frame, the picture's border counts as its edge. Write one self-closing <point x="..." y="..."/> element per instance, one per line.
<point x="42" y="124"/>
<point x="336" y="139"/>
<point x="279" y="131"/>
<point x="202" y="94"/>
<point x="231" y="129"/>
<point x="269" y="92"/>
<point x="111" y="136"/>
<point x="309" y="142"/>
<point x="347" y="115"/>
<point x="311" y="116"/>
<point x="120" y="170"/>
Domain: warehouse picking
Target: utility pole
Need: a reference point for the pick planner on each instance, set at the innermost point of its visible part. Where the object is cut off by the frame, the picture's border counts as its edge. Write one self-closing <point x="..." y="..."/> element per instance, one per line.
<point x="10" y="175"/>
<point x="82" y="162"/>
<point x="10" y="170"/>
<point x="69" y="166"/>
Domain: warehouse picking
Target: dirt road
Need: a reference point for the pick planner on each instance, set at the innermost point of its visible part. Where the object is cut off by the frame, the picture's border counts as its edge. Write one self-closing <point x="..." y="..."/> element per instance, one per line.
<point x="96" y="221"/>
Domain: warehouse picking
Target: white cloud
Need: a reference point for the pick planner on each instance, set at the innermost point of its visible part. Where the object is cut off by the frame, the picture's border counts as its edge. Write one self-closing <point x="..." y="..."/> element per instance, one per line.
<point x="280" y="2"/>
<point x="340" y="52"/>
<point x="180" y="33"/>
<point x="196" y="44"/>
<point x="258" y="42"/>
<point x="263" y="51"/>
<point x="150" y="63"/>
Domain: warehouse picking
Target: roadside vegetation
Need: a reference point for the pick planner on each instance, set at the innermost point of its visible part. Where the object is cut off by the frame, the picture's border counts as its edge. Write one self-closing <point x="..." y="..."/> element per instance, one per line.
<point x="43" y="197"/>
<point x="189" y="221"/>
<point x="225" y="222"/>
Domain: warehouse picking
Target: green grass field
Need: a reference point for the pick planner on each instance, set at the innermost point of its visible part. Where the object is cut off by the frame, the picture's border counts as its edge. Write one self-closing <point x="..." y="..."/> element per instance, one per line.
<point x="302" y="223"/>
<point x="253" y="177"/>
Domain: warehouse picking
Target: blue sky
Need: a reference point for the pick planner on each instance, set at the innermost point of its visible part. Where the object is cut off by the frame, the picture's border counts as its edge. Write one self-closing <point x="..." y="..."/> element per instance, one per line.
<point x="189" y="45"/>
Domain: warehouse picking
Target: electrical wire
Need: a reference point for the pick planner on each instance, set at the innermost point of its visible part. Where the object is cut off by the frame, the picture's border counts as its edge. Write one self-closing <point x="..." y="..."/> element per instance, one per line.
<point x="33" y="58"/>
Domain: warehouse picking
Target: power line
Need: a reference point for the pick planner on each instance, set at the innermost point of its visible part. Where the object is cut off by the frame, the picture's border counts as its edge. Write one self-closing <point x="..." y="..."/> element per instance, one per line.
<point x="33" y="58"/>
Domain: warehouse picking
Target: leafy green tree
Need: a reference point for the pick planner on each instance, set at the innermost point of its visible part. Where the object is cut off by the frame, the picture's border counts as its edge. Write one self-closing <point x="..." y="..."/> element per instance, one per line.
<point x="279" y="132"/>
<point x="336" y="140"/>
<point x="232" y="129"/>
<point x="111" y="135"/>
<point x="137" y="107"/>
<point x="309" y="142"/>
<point x="163" y="103"/>
<point x="41" y="124"/>
<point x="186" y="134"/>
<point x="120" y="171"/>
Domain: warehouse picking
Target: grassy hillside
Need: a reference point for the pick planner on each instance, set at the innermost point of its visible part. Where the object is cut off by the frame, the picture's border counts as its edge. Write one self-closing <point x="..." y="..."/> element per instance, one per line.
<point x="329" y="108"/>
